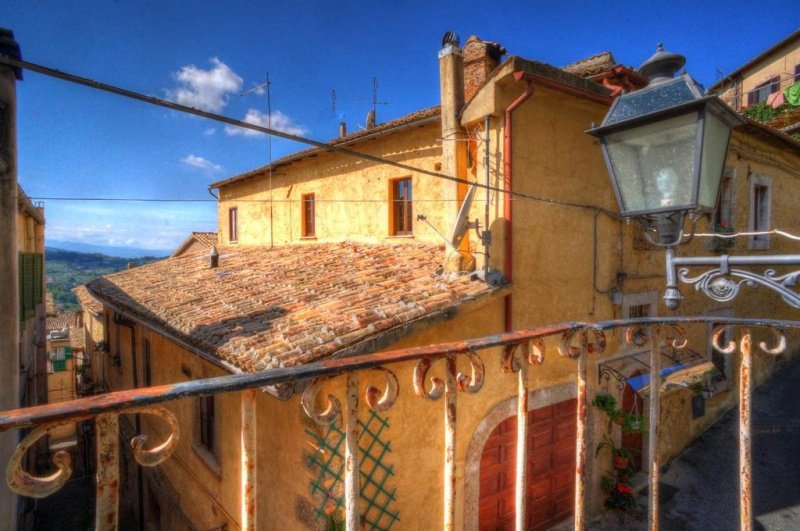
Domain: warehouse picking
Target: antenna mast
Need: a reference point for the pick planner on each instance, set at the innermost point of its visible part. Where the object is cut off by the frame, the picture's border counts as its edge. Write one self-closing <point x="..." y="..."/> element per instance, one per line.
<point x="258" y="89"/>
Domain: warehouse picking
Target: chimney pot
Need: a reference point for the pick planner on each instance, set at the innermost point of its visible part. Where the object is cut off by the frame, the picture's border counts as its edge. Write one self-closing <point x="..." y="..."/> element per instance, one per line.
<point x="342" y="129"/>
<point x="480" y="59"/>
<point x="214" y="257"/>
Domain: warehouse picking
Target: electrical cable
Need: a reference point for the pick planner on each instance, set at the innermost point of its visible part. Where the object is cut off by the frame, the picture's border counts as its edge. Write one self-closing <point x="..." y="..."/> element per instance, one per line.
<point x="65" y="76"/>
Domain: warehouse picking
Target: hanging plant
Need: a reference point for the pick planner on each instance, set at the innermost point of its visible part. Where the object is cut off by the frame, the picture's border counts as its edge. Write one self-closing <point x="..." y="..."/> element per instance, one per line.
<point x="630" y="422"/>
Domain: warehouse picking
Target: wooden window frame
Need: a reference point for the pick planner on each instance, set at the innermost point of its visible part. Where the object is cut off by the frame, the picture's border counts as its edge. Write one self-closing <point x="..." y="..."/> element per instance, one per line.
<point x="401" y="210"/>
<point x="760" y="211"/>
<point x="147" y="362"/>
<point x="206" y="423"/>
<point x="308" y="222"/>
<point x="233" y="224"/>
<point x="773" y="84"/>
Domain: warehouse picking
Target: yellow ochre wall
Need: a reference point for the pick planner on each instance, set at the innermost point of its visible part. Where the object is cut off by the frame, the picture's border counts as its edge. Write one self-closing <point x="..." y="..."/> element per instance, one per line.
<point x="351" y="195"/>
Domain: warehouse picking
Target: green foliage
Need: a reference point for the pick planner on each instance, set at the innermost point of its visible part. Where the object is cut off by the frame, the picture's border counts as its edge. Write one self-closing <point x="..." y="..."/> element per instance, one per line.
<point x="761" y="112"/>
<point x="630" y="422"/>
<point x="67" y="269"/>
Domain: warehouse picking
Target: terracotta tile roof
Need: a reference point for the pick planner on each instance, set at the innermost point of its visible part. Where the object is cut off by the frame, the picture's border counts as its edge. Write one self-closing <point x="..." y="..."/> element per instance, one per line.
<point x="205" y="239"/>
<point x="593" y="65"/>
<point x="62" y="321"/>
<point x="289" y="305"/>
<point x="87" y="301"/>
<point x="384" y="128"/>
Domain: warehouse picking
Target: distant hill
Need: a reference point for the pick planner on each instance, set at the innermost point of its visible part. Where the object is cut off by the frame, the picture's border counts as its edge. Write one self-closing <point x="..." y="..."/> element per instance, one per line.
<point x="110" y="250"/>
<point x="66" y="269"/>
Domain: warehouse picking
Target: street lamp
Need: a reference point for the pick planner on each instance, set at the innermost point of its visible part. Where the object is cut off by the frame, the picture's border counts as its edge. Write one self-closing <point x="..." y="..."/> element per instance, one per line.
<point x="665" y="147"/>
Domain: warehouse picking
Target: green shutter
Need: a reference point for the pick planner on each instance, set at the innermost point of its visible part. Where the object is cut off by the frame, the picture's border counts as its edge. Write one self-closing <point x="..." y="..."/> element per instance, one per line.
<point x="68" y="353"/>
<point x="27" y="261"/>
<point x="20" y="268"/>
<point x="38" y="277"/>
<point x="59" y="365"/>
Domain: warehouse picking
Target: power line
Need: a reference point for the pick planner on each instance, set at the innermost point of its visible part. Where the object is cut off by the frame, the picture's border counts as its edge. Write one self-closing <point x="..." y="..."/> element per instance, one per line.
<point x="4" y="59"/>
<point x="288" y="201"/>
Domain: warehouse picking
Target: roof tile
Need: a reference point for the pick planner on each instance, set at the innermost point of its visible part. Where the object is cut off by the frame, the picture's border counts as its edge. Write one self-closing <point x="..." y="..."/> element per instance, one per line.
<point x="288" y="305"/>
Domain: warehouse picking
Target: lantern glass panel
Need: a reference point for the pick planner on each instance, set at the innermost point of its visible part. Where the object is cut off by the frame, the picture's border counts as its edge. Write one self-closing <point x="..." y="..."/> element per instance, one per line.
<point x="654" y="164"/>
<point x="715" y="142"/>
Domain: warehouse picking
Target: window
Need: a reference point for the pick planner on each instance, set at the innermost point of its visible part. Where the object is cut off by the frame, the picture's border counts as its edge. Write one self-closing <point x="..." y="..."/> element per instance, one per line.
<point x="308" y="226"/>
<point x="233" y="225"/>
<point x="723" y="218"/>
<point x="638" y="305"/>
<point x="797" y="72"/>
<point x="148" y="373"/>
<point x="401" y="211"/>
<point x="206" y="423"/>
<point x="762" y="91"/>
<point x="760" y="207"/>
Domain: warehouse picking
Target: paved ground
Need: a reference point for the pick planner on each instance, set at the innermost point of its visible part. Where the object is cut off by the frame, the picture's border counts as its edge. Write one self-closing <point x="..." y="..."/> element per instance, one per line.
<point x="704" y="481"/>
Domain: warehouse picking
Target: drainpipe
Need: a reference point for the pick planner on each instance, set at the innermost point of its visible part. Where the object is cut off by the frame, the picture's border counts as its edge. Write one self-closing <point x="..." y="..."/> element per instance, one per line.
<point x="507" y="207"/>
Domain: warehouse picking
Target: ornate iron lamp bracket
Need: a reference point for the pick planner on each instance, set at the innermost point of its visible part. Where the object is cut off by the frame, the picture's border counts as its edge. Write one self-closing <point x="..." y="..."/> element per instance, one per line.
<point x="723" y="282"/>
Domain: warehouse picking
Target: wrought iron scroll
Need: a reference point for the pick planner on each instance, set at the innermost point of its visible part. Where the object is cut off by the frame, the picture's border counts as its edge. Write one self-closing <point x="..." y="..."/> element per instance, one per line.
<point x="25" y="484"/>
<point x="161" y="452"/>
<point x="470" y="383"/>
<point x="376" y="399"/>
<point x="723" y="285"/>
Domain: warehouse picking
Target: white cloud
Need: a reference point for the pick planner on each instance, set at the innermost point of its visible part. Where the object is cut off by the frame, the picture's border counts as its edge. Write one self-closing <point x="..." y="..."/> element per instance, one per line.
<point x="280" y="121"/>
<point x="210" y="131"/>
<point x="200" y="162"/>
<point x="206" y="89"/>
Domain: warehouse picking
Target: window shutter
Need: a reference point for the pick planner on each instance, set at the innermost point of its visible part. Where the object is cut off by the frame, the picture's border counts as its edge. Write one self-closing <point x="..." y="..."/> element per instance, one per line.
<point x="27" y="288"/>
<point x="68" y="353"/>
<point x="21" y="281"/>
<point x="38" y="276"/>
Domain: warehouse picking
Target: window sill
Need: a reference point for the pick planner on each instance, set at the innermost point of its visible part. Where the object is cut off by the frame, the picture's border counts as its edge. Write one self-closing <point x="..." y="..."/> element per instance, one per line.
<point x="400" y="236"/>
<point x="209" y="459"/>
<point x="312" y="238"/>
<point x="233" y="242"/>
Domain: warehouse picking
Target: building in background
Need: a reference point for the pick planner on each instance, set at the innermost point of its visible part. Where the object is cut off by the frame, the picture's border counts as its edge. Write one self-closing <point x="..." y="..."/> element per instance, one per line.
<point x="196" y="243"/>
<point x="767" y="88"/>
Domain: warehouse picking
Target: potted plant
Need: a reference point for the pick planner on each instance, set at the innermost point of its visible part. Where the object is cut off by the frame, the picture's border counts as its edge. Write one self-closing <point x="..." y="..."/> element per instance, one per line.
<point x="617" y="482"/>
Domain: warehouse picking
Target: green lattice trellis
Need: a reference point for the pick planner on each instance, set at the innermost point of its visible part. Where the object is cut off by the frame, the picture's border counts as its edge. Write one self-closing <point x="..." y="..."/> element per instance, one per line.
<point x="376" y="497"/>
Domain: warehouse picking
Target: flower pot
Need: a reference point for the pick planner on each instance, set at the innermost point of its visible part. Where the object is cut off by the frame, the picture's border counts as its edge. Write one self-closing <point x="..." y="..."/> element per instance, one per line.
<point x="620" y="462"/>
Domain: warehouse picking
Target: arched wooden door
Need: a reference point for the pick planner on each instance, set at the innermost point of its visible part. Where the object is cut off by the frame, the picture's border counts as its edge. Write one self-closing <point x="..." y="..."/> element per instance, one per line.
<point x="551" y="469"/>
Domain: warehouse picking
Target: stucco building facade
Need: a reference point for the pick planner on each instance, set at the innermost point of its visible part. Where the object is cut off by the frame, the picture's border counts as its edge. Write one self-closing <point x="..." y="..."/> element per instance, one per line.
<point x="327" y="254"/>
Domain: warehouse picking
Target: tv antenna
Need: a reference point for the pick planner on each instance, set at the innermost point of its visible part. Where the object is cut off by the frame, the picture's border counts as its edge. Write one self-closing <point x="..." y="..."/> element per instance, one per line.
<point x="260" y="89"/>
<point x="374" y="102"/>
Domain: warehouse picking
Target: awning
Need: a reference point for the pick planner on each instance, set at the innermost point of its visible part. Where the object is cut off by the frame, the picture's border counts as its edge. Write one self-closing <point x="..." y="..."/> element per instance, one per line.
<point x="680" y="368"/>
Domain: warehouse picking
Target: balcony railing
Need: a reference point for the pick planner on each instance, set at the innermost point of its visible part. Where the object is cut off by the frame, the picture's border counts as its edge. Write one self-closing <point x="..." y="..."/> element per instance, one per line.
<point x="522" y="351"/>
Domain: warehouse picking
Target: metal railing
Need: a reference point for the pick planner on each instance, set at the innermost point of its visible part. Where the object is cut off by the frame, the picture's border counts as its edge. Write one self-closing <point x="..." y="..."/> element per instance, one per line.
<point x="522" y="352"/>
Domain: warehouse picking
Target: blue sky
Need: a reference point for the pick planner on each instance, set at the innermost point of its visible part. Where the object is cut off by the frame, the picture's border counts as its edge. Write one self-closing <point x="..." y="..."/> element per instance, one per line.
<point x="77" y="142"/>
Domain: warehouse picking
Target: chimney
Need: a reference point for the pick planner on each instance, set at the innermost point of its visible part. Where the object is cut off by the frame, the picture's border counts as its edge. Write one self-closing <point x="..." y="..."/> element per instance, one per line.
<point x="480" y="59"/>
<point x="454" y="159"/>
<point x="213" y="257"/>
<point x="342" y="129"/>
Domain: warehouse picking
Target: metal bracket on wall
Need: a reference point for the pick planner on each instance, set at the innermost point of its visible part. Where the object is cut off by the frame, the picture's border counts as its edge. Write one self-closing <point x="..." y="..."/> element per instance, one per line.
<point x="722" y="283"/>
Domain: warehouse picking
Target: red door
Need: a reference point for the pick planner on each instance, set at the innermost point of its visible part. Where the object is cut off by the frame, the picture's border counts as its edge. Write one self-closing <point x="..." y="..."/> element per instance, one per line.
<point x="551" y="469"/>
